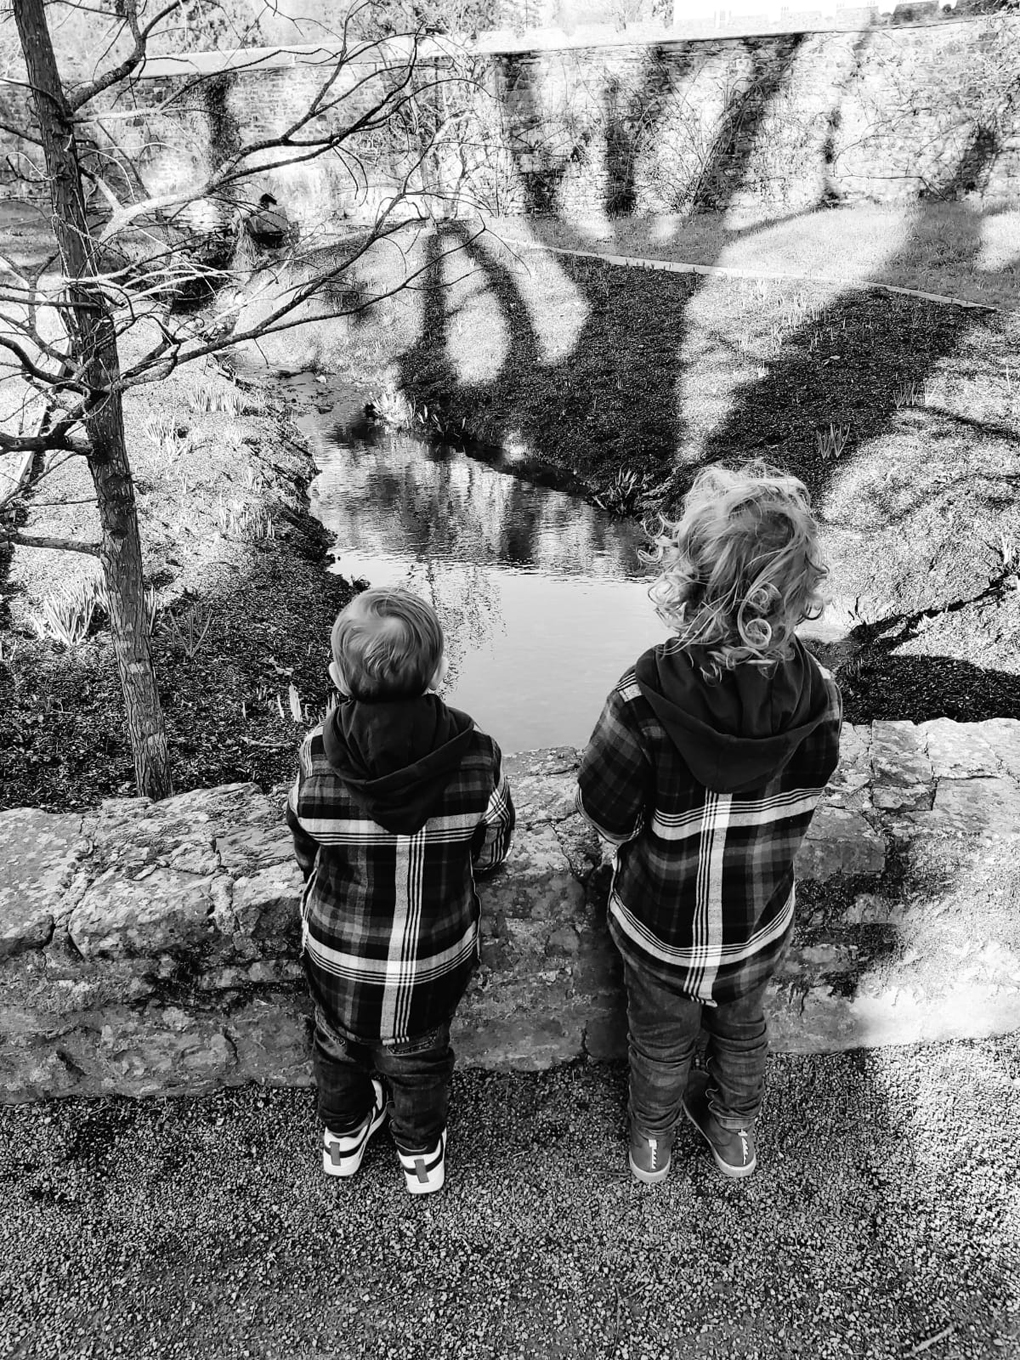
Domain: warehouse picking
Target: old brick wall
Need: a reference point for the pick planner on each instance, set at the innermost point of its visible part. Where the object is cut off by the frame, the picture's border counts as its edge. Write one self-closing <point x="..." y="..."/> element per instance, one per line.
<point x="783" y="121"/>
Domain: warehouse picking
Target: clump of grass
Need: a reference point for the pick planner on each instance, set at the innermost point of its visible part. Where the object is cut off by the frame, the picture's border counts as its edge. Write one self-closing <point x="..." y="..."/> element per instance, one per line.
<point x="909" y="394"/>
<point x="237" y="519"/>
<point x="188" y="630"/>
<point x="65" y="616"/>
<point x="171" y="436"/>
<point x="228" y="400"/>
<point x="832" y="443"/>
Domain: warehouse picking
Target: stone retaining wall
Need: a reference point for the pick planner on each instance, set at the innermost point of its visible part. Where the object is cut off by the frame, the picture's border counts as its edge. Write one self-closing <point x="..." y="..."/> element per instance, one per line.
<point x="781" y="121"/>
<point x="151" y="948"/>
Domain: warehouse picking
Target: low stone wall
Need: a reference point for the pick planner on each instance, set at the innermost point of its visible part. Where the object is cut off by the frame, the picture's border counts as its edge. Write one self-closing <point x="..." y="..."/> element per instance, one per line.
<point x="152" y="948"/>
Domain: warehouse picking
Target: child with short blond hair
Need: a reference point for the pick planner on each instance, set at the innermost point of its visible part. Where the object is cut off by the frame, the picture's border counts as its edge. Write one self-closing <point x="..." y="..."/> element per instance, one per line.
<point x="704" y="771"/>
<point x="399" y="802"/>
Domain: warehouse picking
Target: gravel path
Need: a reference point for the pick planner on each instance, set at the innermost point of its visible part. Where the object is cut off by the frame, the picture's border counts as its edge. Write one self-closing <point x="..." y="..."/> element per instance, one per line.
<point x="884" y="1221"/>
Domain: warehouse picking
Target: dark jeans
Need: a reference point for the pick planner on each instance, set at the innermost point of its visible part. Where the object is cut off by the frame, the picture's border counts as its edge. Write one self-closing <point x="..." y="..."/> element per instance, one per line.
<point x="663" y="1032"/>
<point x="417" y="1072"/>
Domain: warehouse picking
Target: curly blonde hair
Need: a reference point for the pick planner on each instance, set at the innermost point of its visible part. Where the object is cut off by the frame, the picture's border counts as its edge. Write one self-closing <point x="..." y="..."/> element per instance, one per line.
<point x="740" y="567"/>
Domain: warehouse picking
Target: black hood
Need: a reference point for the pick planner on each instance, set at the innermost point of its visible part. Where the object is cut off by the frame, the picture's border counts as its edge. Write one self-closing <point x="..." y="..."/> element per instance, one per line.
<point x="744" y="728"/>
<point x="396" y="758"/>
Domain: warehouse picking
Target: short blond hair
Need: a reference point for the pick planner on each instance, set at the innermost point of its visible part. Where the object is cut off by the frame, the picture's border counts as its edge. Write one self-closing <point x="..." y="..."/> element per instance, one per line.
<point x="741" y="567"/>
<point x="387" y="645"/>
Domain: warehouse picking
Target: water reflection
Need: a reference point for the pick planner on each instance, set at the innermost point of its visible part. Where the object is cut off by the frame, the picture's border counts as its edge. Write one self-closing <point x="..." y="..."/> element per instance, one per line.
<point x="542" y="596"/>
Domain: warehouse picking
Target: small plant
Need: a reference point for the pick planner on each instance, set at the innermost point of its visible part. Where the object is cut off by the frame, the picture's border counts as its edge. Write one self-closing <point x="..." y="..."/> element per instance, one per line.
<point x="909" y="394"/>
<point x="188" y="630"/>
<point x="238" y="520"/>
<point x="229" y="400"/>
<point x="832" y="443"/>
<point x="1008" y="552"/>
<point x="66" y="616"/>
<point x="619" y="496"/>
<point x="171" y="437"/>
<point x="392" y="407"/>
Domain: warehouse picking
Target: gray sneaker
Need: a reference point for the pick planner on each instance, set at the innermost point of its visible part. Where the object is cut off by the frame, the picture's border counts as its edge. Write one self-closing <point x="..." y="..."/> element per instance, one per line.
<point x="649" y="1155"/>
<point x="733" y="1149"/>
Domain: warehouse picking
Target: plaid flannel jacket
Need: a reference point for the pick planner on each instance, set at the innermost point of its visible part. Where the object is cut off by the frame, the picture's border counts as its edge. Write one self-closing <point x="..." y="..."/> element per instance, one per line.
<point x="390" y="922"/>
<point x="702" y="894"/>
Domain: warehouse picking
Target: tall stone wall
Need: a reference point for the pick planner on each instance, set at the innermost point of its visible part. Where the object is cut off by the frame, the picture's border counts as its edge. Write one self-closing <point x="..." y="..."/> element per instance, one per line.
<point x="784" y="120"/>
<point x="152" y="947"/>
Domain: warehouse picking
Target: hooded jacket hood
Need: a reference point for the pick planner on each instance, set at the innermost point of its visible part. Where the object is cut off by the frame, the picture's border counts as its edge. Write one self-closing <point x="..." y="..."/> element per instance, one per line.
<point x="397" y="757"/>
<point x="743" y="729"/>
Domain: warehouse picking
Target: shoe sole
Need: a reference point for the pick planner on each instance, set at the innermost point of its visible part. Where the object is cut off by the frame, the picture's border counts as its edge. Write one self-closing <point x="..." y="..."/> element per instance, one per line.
<point x="735" y="1173"/>
<point x="352" y="1164"/>
<point x="648" y="1177"/>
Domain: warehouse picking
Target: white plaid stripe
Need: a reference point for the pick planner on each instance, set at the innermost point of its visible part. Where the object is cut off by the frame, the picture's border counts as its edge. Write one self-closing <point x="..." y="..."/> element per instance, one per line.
<point x="761" y="812"/>
<point x="688" y="958"/>
<point x="387" y="972"/>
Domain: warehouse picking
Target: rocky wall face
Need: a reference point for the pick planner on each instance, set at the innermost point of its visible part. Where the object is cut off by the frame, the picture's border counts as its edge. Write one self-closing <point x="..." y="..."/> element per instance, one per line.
<point x="779" y="121"/>
<point x="153" y="948"/>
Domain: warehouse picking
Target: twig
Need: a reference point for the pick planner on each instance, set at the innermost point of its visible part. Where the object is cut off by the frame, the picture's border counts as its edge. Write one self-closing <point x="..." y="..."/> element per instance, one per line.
<point x="923" y="1346"/>
<point x="270" y="745"/>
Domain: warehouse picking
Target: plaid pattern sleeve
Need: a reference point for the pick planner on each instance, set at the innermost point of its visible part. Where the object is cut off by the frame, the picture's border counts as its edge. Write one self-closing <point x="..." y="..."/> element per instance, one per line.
<point x="496" y="827"/>
<point x="614" y="781"/>
<point x="703" y="893"/>
<point x="389" y="921"/>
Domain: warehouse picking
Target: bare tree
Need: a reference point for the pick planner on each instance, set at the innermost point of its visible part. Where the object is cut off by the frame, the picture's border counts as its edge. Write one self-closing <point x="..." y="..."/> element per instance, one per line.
<point x="103" y="287"/>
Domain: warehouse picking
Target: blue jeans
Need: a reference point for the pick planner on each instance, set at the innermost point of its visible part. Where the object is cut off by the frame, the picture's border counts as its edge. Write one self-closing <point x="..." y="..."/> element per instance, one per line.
<point x="663" y="1030"/>
<point x="417" y="1072"/>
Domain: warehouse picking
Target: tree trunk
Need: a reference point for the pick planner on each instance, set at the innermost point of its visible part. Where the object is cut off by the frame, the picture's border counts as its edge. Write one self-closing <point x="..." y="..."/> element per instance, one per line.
<point x="93" y="346"/>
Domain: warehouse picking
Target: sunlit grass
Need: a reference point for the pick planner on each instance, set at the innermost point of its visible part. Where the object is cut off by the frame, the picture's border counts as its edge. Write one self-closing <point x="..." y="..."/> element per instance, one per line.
<point x="954" y="249"/>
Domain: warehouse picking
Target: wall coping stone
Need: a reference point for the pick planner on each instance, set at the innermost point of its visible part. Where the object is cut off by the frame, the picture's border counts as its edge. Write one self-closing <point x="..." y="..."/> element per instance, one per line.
<point x="153" y="947"/>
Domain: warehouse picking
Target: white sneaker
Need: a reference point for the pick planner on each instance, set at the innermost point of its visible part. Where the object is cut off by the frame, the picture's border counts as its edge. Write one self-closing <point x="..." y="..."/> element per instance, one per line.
<point x="425" y="1172"/>
<point x="342" y="1153"/>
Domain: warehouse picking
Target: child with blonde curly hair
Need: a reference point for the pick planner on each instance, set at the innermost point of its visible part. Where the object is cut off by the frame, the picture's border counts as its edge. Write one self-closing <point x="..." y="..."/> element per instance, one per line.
<point x="704" y="771"/>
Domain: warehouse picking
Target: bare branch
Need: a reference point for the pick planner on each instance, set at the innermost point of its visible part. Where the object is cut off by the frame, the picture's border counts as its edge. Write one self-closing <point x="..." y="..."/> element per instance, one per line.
<point x="134" y="58"/>
<point x="21" y="540"/>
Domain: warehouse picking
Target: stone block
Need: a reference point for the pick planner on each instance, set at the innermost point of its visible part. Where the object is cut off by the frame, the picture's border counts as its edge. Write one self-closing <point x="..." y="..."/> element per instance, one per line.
<point x="898" y="755"/>
<point x="245" y="848"/>
<point x="557" y="760"/>
<point x="159" y="912"/>
<point x="271" y="1038"/>
<point x="543" y="798"/>
<point x="538" y="886"/>
<point x="902" y="797"/>
<point x="958" y="750"/>
<point x="840" y="842"/>
<point x="975" y="807"/>
<point x="38" y="853"/>
<point x="853" y="773"/>
<point x="265" y="907"/>
<point x="1003" y="736"/>
<point x="605" y="1036"/>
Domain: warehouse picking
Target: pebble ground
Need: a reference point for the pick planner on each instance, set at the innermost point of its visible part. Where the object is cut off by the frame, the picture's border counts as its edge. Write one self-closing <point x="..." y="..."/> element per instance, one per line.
<point x="884" y="1221"/>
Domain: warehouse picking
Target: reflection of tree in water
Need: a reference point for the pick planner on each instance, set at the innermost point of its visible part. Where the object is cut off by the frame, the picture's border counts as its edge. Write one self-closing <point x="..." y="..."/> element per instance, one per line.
<point x="406" y="496"/>
<point x="466" y="596"/>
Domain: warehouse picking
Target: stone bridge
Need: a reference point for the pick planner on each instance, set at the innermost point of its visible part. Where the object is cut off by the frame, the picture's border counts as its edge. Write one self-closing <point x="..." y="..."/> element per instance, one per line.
<point x="152" y="947"/>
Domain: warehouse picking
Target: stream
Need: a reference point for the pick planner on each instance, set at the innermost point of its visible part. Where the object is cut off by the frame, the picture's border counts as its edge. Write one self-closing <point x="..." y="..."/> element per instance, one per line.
<point x="543" y="597"/>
